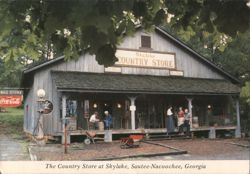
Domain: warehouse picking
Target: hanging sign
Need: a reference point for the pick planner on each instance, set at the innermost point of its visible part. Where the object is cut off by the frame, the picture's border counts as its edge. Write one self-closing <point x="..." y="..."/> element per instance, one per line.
<point x="10" y="101"/>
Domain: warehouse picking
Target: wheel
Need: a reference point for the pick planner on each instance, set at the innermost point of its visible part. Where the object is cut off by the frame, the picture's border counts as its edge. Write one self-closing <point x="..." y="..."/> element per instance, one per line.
<point x="87" y="141"/>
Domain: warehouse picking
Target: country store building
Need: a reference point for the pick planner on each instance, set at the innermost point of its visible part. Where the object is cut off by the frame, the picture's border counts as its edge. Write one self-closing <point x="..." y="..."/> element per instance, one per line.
<point x="154" y="70"/>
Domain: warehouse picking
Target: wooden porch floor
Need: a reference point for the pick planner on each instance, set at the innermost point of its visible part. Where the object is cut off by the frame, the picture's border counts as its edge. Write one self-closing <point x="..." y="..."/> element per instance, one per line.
<point x="146" y="131"/>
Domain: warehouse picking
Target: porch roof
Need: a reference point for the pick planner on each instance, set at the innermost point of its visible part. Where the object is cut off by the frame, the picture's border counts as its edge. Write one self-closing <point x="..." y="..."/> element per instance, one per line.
<point x="121" y="83"/>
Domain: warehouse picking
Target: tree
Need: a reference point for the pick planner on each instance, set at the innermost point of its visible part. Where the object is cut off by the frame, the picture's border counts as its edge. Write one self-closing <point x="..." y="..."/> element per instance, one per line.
<point x="236" y="57"/>
<point x="226" y="16"/>
<point x="36" y="28"/>
<point x="40" y="29"/>
<point x="71" y="27"/>
<point x="245" y="92"/>
<point x="11" y="72"/>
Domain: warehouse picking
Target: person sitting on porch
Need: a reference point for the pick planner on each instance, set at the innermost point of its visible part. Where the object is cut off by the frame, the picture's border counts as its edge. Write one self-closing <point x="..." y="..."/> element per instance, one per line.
<point x="94" y="119"/>
<point x="187" y="122"/>
<point x="107" y="120"/>
<point x="180" y="120"/>
<point x="169" y="120"/>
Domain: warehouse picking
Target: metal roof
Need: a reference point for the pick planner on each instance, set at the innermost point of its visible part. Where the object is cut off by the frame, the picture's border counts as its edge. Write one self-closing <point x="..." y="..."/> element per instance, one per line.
<point x="121" y="83"/>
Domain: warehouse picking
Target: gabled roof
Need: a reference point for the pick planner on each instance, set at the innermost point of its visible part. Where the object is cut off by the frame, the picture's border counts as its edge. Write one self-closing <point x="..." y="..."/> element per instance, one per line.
<point x="166" y="35"/>
<point x="43" y="64"/>
<point x="121" y="83"/>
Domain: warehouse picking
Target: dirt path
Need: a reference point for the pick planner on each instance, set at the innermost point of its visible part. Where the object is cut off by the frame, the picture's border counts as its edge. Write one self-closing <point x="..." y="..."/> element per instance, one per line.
<point x="12" y="149"/>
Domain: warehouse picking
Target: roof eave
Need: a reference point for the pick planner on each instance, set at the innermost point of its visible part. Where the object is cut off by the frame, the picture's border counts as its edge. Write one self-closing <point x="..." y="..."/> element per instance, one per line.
<point x="143" y="92"/>
<point x="28" y="70"/>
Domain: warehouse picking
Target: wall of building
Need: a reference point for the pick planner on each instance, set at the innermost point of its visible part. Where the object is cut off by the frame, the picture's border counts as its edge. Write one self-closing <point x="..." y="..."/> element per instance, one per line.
<point x="29" y="109"/>
<point x="185" y="62"/>
<point x="191" y="67"/>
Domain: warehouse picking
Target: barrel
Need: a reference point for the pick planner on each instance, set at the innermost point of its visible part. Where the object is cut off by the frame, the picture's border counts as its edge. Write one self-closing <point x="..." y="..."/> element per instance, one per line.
<point x="195" y="122"/>
<point x="101" y="126"/>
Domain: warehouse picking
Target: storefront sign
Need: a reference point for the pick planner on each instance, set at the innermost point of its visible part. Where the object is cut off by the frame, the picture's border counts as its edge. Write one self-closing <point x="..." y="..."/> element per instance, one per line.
<point x="145" y="59"/>
<point x="10" y="101"/>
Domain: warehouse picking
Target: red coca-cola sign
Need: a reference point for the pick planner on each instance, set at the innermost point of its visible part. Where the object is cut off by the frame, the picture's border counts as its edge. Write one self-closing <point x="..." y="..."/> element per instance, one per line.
<point x="10" y="101"/>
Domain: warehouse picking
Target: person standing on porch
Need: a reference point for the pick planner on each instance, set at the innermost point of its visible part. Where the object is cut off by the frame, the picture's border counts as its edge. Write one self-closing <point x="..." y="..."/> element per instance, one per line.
<point x="169" y="120"/>
<point x="107" y="120"/>
<point x="180" y="120"/>
<point x="187" y="122"/>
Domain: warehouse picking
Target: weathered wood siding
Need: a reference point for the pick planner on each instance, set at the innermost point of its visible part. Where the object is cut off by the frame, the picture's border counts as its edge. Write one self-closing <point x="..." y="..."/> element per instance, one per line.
<point x="85" y="63"/>
<point x="29" y="108"/>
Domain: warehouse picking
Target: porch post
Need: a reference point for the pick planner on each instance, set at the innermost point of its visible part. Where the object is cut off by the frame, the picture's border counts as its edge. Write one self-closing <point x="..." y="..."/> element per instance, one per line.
<point x="237" y="131"/>
<point x="132" y="109"/>
<point x="190" y="111"/>
<point x="64" y="120"/>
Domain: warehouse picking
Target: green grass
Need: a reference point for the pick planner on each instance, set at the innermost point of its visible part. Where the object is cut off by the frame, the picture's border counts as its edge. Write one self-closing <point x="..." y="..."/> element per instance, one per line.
<point x="11" y="121"/>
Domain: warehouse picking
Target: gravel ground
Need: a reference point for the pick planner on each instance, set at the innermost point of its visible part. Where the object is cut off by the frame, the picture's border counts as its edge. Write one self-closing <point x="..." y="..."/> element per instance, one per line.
<point x="205" y="149"/>
<point x="198" y="149"/>
<point x="12" y="149"/>
<point x="93" y="151"/>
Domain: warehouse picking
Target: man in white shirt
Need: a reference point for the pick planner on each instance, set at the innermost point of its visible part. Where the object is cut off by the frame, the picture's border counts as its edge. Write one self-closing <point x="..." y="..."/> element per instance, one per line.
<point x="94" y="119"/>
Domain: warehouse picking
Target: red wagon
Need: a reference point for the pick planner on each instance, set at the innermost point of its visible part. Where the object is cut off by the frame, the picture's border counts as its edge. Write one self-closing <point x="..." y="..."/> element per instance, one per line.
<point x="91" y="136"/>
<point x="131" y="141"/>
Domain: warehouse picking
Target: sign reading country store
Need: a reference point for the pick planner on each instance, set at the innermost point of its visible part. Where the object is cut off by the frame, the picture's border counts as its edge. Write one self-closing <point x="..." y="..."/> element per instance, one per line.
<point x="10" y="98"/>
<point x="151" y="59"/>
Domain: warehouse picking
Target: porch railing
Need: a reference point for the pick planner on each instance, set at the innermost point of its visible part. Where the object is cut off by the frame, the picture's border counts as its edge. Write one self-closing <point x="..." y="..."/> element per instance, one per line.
<point x="215" y="120"/>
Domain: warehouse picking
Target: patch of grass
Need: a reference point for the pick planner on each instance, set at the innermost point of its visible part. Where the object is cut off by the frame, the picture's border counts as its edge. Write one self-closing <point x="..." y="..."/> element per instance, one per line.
<point x="11" y="121"/>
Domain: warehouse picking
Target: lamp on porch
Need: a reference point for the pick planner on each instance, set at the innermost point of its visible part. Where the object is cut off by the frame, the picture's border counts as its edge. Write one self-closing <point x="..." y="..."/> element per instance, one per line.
<point x="41" y="93"/>
<point x="119" y="105"/>
<point x="95" y="105"/>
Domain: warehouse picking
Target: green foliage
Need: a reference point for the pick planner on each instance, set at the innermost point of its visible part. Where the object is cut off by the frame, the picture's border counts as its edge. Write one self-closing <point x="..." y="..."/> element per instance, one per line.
<point x="227" y="17"/>
<point x="12" y="116"/>
<point x="236" y="56"/>
<point x="185" y="35"/>
<point x="11" y="121"/>
<point x="36" y="28"/>
<point x="10" y="73"/>
<point x="245" y="92"/>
